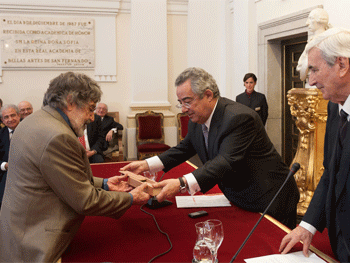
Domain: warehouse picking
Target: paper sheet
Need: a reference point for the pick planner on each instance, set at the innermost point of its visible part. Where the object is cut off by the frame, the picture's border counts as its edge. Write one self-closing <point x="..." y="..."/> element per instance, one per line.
<point x="202" y="201"/>
<point x="296" y="257"/>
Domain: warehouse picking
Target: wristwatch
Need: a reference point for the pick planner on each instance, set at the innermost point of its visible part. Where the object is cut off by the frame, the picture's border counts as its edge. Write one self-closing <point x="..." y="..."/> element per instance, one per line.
<point x="182" y="188"/>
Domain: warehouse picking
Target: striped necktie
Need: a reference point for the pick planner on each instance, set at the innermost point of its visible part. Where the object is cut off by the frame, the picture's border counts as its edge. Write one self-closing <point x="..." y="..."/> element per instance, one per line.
<point x="342" y="126"/>
<point x="205" y="134"/>
<point x="82" y="141"/>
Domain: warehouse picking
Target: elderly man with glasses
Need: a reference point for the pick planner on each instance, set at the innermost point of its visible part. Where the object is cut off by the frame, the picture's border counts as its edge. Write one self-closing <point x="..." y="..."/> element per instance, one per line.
<point x="25" y="109"/>
<point x="50" y="187"/>
<point x="232" y="143"/>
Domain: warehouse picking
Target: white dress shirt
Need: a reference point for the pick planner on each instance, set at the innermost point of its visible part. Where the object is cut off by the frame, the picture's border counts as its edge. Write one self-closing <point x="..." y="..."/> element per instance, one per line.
<point x="156" y="165"/>
<point x="4" y="163"/>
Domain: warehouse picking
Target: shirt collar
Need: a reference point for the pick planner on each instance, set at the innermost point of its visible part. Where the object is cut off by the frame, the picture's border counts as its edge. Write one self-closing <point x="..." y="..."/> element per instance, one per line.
<point x="207" y="123"/>
<point x="345" y="107"/>
<point x="65" y="117"/>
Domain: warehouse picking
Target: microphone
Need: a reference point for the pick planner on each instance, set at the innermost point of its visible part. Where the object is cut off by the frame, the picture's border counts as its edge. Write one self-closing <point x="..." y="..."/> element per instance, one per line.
<point x="293" y="170"/>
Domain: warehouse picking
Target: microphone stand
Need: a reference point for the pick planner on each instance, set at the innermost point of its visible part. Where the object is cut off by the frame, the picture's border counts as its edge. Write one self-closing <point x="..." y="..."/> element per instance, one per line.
<point x="293" y="170"/>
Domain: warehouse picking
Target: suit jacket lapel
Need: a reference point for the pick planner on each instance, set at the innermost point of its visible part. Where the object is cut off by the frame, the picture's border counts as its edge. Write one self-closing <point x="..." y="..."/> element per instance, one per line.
<point x="343" y="171"/>
<point x="214" y="127"/>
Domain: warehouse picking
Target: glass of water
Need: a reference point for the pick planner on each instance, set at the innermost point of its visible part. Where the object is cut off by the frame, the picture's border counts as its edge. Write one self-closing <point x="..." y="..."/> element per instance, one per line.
<point x="150" y="175"/>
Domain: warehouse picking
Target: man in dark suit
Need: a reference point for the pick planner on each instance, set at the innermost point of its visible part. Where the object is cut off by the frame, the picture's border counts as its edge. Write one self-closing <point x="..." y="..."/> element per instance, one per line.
<point x="252" y="99"/>
<point x="109" y="126"/>
<point x="1" y="124"/>
<point x="329" y="66"/>
<point x="11" y="118"/>
<point x="25" y="109"/>
<point x="239" y="155"/>
<point x="95" y="142"/>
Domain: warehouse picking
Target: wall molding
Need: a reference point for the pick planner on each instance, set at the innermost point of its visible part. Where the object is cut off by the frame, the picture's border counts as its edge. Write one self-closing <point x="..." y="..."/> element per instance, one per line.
<point x="174" y="7"/>
<point x="66" y="7"/>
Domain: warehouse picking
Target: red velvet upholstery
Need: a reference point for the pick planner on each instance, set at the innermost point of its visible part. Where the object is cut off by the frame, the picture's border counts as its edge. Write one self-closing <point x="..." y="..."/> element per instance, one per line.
<point x="153" y="147"/>
<point x="182" y="119"/>
<point x="150" y="127"/>
<point x="150" y="134"/>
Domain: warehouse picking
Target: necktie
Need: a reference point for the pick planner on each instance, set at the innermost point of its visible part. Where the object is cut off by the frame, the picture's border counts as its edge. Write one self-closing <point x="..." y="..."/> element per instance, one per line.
<point x="82" y="141"/>
<point x="11" y="133"/>
<point x="205" y="134"/>
<point x="342" y="126"/>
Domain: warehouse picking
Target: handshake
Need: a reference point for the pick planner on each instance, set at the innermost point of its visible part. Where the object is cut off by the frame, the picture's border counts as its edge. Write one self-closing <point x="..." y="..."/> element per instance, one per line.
<point x="143" y="188"/>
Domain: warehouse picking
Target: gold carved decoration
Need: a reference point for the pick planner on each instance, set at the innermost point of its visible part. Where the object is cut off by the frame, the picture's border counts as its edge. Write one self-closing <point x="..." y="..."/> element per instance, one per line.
<point x="310" y="112"/>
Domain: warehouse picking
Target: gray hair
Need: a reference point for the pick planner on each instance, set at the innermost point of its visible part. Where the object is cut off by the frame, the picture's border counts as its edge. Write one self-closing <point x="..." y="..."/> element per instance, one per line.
<point x="71" y="87"/>
<point x="200" y="81"/>
<point x="103" y="104"/>
<point x="8" y="106"/>
<point x="333" y="43"/>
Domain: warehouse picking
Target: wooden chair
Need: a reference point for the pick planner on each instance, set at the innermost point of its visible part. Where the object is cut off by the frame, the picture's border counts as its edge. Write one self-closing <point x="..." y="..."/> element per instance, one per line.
<point x="182" y="121"/>
<point x="150" y="134"/>
<point x="115" y="150"/>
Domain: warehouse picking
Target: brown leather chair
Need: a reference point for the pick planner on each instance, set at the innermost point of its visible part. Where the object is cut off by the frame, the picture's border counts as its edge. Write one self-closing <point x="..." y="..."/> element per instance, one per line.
<point x="182" y="121"/>
<point x="115" y="150"/>
<point x="150" y="134"/>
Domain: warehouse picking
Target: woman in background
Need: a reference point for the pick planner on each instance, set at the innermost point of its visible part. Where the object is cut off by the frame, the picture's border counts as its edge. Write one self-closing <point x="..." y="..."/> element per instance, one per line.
<point x="252" y="99"/>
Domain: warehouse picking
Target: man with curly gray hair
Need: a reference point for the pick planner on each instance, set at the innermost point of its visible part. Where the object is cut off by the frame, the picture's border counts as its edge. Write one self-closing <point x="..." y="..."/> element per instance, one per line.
<point x="50" y="187"/>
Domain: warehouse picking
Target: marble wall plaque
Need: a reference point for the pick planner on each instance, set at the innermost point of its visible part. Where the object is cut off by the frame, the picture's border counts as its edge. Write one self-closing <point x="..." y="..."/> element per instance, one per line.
<point x="47" y="42"/>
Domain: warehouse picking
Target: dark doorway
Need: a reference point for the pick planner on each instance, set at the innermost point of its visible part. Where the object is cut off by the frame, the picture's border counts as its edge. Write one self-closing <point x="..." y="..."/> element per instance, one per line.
<point x="291" y="50"/>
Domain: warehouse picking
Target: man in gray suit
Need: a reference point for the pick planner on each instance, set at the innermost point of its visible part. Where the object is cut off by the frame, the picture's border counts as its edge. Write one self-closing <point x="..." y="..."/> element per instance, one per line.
<point x="50" y="187"/>
<point x="237" y="154"/>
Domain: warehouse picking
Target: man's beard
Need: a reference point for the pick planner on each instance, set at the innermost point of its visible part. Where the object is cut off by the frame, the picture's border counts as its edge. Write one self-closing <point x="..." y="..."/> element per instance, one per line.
<point x="79" y="127"/>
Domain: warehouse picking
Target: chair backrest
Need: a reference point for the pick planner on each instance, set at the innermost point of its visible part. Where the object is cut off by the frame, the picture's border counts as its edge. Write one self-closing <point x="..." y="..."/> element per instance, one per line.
<point x="149" y="127"/>
<point x="182" y="120"/>
<point x="114" y="153"/>
<point x="115" y="115"/>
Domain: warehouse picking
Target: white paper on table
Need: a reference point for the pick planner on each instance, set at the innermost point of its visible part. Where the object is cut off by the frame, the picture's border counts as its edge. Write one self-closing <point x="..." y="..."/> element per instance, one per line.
<point x="295" y="257"/>
<point x="202" y="201"/>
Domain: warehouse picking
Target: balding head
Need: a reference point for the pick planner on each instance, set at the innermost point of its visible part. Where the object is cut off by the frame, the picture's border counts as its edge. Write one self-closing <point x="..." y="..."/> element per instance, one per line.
<point x="25" y="109"/>
<point x="101" y="109"/>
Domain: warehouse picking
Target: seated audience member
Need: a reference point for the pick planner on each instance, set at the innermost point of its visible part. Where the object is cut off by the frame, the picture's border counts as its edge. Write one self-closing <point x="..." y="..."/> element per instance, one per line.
<point x="109" y="126"/>
<point x="94" y="141"/>
<point x="1" y="124"/>
<point x="25" y="109"/>
<point x="254" y="100"/>
<point x="50" y="187"/>
<point x="235" y="150"/>
<point x="10" y="117"/>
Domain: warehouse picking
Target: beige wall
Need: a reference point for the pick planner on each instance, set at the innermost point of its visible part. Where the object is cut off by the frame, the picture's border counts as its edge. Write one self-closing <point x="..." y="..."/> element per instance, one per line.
<point x="30" y="85"/>
<point x="177" y="54"/>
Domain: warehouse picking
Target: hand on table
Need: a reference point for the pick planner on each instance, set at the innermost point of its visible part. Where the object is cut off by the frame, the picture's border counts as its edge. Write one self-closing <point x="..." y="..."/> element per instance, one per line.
<point x="298" y="234"/>
<point x="136" y="167"/>
<point x="119" y="183"/>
